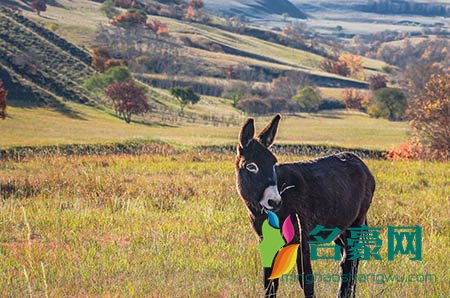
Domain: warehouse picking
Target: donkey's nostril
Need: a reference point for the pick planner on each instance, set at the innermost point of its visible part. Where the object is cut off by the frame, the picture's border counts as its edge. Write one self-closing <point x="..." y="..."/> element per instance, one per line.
<point x="273" y="203"/>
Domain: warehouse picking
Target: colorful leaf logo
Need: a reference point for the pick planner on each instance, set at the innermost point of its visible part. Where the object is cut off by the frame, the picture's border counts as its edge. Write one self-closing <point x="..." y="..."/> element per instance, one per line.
<point x="273" y="219"/>
<point x="270" y="244"/>
<point x="284" y="261"/>
<point x="288" y="230"/>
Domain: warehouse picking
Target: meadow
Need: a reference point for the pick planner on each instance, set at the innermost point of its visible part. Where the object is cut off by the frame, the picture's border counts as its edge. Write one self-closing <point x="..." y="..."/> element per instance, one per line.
<point x="38" y="126"/>
<point x="172" y="225"/>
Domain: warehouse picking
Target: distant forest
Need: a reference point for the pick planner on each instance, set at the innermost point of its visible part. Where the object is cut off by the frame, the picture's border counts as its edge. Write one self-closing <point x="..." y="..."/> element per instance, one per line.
<point x="406" y="7"/>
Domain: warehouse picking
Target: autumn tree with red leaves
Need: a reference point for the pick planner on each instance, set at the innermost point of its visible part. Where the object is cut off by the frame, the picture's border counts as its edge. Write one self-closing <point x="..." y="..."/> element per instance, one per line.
<point x="3" y="104"/>
<point x="128" y="98"/>
<point x="39" y="5"/>
<point x="130" y="19"/>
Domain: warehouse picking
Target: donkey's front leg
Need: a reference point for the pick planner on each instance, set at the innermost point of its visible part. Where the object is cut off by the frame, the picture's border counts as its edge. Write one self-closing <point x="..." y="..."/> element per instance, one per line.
<point x="305" y="272"/>
<point x="270" y="286"/>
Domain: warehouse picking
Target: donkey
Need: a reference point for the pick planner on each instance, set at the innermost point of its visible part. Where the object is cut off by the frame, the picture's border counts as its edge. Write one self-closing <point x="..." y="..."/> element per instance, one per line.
<point x="332" y="191"/>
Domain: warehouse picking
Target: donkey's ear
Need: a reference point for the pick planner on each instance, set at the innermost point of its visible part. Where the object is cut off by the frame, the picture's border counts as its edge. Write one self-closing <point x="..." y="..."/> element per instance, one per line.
<point x="267" y="136"/>
<point x="247" y="133"/>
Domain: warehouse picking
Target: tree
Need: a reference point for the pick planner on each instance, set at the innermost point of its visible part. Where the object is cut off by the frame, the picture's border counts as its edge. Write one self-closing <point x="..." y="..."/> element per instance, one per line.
<point x="39" y="5"/>
<point x="335" y="66"/>
<point x="308" y="99"/>
<point x="287" y="85"/>
<point x="388" y="103"/>
<point x="354" y="63"/>
<point x="431" y="117"/>
<point x="254" y="106"/>
<point x="128" y="98"/>
<point x="99" y="82"/>
<point x="3" y="102"/>
<point x="184" y="96"/>
<point x="353" y="98"/>
<point x="159" y="28"/>
<point x="194" y="8"/>
<point x="99" y="57"/>
<point x="377" y="82"/>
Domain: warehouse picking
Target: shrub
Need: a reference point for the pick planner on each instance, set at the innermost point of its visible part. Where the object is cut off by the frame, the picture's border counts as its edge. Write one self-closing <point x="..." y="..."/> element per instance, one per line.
<point x="159" y="28"/>
<point x="194" y="8"/>
<point x="354" y="63"/>
<point x="236" y="91"/>
<point x="130" y="19"/>
<point x="99" y="57"/>
<point x="115" y="62"/>
<point x="184" y="96"/>
<point x="331" y="104"/>
<point x="3" y="102"/>
<point x="307" y="99"/>
<point x="345" y="65"/>
<point x="128" y="98"/>
<point x="353" y="99"/>
<point x="99" y="82"/>
<point x="388" y="103"/>
<point x="334" y="66"/>
<point x="39" y="5"/>
<point x="377" y="82"/>
<point x="253" y="106"/>
<point x="430" y="117"/>
<point x="387" y="69"/>
<point x="117" y="74"/>
<point x="287" y="85"/>
<point x="124" y="3"/>
<point x="406" y="151"/>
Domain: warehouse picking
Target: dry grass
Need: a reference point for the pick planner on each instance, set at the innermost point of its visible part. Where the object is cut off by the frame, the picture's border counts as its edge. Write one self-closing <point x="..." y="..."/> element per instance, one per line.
<point x="173" y="227"/>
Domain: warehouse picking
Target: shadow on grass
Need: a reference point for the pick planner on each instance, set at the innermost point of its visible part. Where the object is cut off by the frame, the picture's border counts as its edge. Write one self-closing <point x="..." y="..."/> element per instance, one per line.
<point x="328" y="116"/>
<point x="47" y="18"/>
<point x="56" y="106"/>
<point x="16" y="4"/>
<point x="145" y="123"/>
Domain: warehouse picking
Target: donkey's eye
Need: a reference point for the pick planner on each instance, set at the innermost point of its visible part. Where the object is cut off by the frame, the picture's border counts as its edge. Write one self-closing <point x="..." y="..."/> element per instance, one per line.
<point x="252" y="167"/>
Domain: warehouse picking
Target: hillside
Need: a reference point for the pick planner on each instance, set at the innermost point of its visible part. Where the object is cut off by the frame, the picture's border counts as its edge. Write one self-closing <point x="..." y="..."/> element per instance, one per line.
<point x="37" y="66"/>
<point x="255" y="8"/>
<point x="254" y="51"/>
<point x="40" y="65"/>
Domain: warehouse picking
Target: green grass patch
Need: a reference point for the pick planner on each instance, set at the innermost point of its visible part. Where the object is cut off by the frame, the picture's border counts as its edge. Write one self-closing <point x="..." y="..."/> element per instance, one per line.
<point x="38" y="126"/>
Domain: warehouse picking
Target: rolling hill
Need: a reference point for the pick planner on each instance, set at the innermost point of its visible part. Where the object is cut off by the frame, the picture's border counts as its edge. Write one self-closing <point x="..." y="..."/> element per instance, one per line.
<point x="38" y="66"/>
<point x="255" y="8"/>
<point x="44" y="60"/>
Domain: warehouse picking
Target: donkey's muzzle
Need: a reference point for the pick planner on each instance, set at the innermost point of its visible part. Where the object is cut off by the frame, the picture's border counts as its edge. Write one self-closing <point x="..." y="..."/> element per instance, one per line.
<point x="271" y="198"/>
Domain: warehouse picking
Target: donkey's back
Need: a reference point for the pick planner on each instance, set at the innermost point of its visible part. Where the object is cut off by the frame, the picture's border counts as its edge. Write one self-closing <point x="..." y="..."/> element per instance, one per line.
<point x="333" y="191"/>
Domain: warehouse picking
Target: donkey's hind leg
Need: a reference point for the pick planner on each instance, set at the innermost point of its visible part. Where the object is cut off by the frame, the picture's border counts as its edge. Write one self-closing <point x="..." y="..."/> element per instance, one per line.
<point x="348" y="268"/>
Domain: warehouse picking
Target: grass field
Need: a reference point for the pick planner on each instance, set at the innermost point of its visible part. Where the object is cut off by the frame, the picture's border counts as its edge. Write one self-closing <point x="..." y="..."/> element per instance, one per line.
<point x="43" y="126"/>
<point x="173" y="226"/>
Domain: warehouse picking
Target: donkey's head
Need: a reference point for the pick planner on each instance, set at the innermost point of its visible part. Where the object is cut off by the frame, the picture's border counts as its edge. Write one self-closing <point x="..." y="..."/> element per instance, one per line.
<point x="256" y="178"/>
